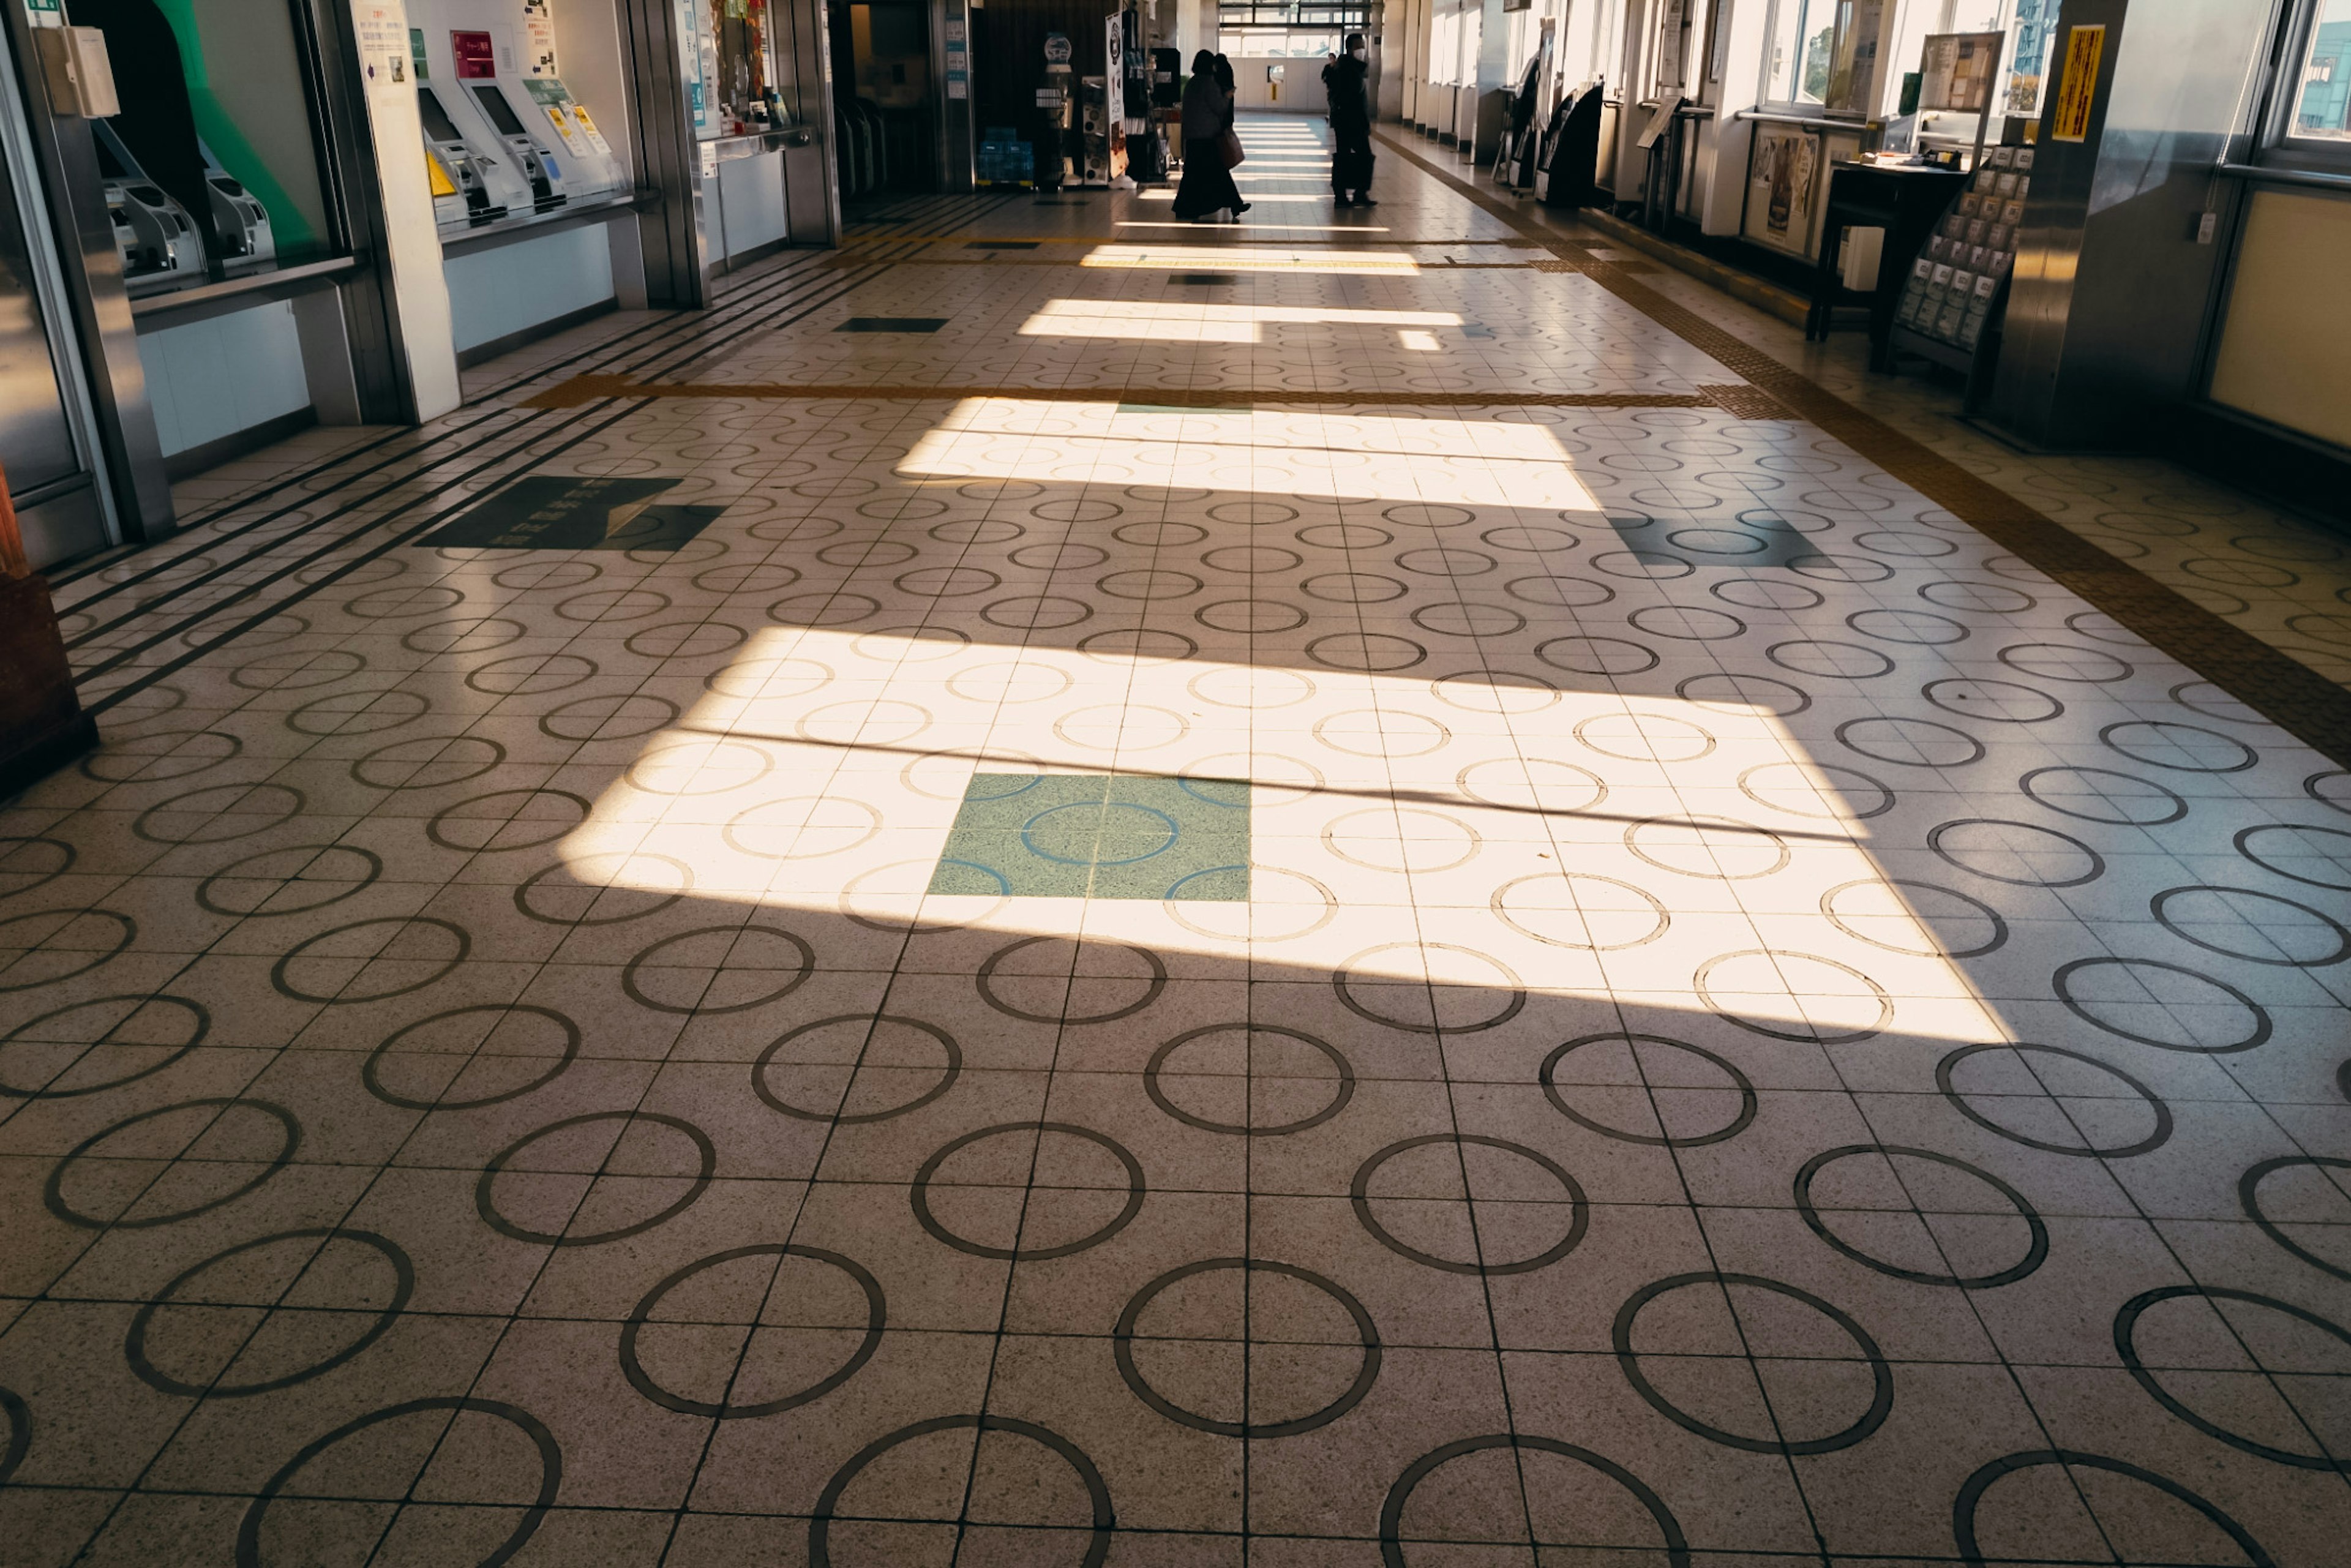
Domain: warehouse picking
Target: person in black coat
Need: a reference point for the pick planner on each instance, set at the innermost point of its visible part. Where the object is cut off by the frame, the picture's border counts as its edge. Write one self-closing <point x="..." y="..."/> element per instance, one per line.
<point x="1207" y="182"/>
<point x="1351" y="126"/>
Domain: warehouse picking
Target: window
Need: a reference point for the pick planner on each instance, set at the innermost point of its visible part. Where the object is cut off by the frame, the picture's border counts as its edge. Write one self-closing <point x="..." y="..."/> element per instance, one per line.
<point x="2321" y="89"/>
<point x="1340" y="16"/>
<point x="1822" y="52"/>
<point x="2027" y="55"/>
<point x="1277" y="43"/>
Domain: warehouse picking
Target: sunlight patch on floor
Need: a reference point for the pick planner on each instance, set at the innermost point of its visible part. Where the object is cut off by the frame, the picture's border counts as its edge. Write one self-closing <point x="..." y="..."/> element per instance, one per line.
<point x="810" y="776"/>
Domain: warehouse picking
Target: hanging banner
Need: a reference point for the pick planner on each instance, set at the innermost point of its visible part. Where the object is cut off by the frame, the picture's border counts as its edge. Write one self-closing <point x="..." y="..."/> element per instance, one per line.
<point x="2078" y="92"/>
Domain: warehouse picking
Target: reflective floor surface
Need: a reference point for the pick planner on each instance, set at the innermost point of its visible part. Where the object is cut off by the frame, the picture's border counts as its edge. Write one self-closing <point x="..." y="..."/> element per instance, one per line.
<point x="1260" y="895"/>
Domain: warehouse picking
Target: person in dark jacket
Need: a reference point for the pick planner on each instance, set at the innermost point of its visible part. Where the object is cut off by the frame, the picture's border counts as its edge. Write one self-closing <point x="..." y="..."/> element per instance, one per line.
<point x="1351" y="126"/>
<point x="1207" y="182"/>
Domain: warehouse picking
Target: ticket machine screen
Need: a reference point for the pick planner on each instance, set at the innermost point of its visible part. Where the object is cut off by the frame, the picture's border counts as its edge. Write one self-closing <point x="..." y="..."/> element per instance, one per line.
<point x="501" y="113"/>
<point x="438" y="127"/>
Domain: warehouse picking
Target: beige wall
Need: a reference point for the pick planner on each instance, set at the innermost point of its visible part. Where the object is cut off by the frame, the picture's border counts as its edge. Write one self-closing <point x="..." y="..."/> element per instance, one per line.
<point x="2286" y="345"/>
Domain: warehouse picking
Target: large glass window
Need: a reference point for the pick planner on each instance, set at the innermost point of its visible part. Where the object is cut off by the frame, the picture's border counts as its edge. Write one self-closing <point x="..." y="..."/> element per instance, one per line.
<point x="1345" y="16"/>
<point x="1803" y="44"/>
<point x="732" y="77"/>
<point x="1823" y="52"/>
<point x="2321" y="92"/>
<point x="1288" y="29"/>
<point x="2027" y="55"/>
<point x="212" y="165"/>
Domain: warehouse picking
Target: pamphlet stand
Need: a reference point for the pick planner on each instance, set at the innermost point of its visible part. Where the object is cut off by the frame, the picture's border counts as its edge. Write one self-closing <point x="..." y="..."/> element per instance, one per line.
<point x="1952" y="302"/>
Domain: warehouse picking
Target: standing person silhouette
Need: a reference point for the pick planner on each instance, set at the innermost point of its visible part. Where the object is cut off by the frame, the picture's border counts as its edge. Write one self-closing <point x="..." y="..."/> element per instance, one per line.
<point x="1351" y="126"/>
<point x="1207" y="183"/>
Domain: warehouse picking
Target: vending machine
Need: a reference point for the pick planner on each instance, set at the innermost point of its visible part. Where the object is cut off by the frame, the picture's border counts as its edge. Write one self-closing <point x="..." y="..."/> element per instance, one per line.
<point x="462" y="182"/>
<point x="504" y="131"/>
<point x="153" y="236"/>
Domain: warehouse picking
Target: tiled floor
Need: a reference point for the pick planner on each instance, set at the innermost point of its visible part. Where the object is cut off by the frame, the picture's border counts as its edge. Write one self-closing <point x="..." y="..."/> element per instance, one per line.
<point x="1786" y="1037"/>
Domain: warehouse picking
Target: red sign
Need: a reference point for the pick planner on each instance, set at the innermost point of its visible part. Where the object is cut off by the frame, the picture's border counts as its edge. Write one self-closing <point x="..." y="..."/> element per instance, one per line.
<point x="475" y="60"/>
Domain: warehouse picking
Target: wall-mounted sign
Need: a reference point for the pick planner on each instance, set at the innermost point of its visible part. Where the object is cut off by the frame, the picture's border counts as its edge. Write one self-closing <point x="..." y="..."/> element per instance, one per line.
<point x="2078" y="93"/>
<point x="382" y="32"/>
<point x="477" y="60"/>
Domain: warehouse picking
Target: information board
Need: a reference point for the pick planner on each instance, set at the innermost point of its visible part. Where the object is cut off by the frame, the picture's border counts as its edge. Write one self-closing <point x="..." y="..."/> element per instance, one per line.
<point x="1955" y="71"/>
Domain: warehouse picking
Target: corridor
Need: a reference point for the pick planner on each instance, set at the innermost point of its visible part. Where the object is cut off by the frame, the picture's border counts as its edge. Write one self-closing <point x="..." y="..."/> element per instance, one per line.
<point x="1370" y="887"/>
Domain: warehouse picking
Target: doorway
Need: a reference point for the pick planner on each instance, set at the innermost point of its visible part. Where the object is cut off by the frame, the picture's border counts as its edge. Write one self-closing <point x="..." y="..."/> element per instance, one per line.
<point x="887" y="124"/>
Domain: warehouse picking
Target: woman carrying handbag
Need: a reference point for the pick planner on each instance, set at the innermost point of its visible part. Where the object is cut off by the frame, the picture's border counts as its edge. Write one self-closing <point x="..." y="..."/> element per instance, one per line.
<point x="1210" y="146"/>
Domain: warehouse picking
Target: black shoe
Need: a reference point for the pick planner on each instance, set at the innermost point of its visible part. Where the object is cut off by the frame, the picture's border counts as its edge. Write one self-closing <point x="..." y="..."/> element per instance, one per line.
<point x="1365" y="202"/>
<point x="1343" y="202"/>
<point x="1240" y="210"/>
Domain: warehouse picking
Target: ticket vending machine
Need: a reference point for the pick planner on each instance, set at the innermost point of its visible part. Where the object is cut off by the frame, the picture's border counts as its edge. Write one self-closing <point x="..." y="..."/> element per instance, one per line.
<point x="238" y="217"/>
<point x="487" y="69"/>
<point x="462" y="186"/>
<point x="593" y="168"/>
<point x="153" y="235"/>
<point x="536" y="162"/>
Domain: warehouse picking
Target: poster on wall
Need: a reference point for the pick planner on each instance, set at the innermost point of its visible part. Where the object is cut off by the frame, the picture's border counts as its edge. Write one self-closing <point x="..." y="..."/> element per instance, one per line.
<point x="2070" y="121"/>
<point x="1786" y="159"/>
<point x="537" y="39"/>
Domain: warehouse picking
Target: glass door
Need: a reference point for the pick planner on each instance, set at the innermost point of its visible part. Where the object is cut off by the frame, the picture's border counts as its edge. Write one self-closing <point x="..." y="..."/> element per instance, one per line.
<point x="48" y="443"/>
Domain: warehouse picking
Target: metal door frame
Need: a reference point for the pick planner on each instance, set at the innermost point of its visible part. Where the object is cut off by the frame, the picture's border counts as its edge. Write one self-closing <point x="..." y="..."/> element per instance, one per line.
<point x="87" y="313"/>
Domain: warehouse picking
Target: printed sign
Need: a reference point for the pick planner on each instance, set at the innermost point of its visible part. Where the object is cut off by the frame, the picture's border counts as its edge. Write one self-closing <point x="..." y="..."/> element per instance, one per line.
<point x="477" y="60"/>
<point x="537" y="39"/>
<point x="2070" y="121"/>
<point x="382" y="30"/>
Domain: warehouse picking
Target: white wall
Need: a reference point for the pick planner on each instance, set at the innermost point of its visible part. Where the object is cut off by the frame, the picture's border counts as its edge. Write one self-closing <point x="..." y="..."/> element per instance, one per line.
<point x="751" y="200"/>
<point x="493" y="293"/>
<point x="212" y="378"/>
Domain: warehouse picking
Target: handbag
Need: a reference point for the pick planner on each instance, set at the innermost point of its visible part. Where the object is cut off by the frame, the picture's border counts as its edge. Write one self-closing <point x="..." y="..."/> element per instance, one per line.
<point x="1231" y="143"/>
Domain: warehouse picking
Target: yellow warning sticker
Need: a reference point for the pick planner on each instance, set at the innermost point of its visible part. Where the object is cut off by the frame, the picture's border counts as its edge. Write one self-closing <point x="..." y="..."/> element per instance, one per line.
<point x="2070" y="119"/>
<point x="442" y="184"/>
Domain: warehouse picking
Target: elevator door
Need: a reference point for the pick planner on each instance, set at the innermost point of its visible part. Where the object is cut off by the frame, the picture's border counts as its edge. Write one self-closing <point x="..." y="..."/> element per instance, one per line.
<point x="50" y="475"/>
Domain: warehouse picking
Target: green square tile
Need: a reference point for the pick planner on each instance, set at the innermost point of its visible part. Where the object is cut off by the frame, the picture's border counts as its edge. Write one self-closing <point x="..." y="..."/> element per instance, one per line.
<point x="1099" y="836"/>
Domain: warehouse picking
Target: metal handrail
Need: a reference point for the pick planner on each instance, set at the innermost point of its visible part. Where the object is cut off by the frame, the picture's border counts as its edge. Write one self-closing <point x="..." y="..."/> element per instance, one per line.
<point x="2269" y="174"/>
<point x="1812" y="122"/>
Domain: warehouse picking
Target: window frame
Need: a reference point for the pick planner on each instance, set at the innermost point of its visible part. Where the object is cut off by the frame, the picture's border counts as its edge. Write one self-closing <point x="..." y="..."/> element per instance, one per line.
<point x="1341" y="16"/>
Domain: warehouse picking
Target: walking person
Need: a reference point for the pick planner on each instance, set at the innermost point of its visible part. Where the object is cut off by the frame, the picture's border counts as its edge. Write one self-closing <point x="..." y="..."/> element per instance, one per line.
<point x="1207" y="184"/>
<point x="1351" y="126"/>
